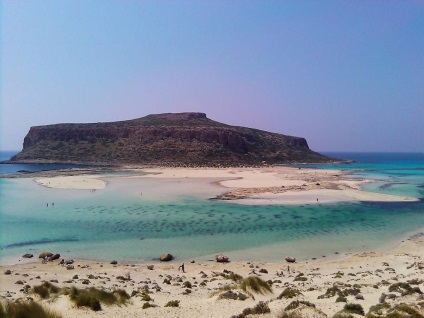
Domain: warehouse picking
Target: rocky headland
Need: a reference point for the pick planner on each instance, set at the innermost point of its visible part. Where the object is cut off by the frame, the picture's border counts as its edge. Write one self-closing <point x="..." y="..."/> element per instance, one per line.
<point x="174" y="139"/>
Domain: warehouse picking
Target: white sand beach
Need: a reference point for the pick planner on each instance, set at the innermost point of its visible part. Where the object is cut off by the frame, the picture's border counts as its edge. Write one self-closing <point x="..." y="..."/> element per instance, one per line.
<point x="363" y="277"/>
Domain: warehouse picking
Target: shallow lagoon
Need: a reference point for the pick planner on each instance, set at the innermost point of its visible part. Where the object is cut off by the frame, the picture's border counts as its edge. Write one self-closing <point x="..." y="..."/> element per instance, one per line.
<point x="137" y="219"/>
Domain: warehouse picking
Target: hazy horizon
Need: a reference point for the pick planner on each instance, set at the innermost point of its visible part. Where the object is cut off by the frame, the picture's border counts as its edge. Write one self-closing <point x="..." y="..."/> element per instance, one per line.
<point x="347" y="76"/>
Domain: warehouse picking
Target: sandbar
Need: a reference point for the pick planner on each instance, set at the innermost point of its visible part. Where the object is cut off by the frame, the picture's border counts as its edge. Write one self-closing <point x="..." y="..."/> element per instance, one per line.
<point x="255" y="186"/>
<point x="83" y="182"/>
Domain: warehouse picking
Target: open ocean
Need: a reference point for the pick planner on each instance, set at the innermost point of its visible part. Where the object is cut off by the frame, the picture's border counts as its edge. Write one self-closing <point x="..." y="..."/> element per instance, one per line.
<point x="116" y="223"/>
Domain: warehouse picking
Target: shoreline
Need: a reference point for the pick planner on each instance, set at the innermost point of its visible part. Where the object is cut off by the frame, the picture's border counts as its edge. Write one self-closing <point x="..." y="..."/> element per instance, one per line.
<point x="372" y="273"/>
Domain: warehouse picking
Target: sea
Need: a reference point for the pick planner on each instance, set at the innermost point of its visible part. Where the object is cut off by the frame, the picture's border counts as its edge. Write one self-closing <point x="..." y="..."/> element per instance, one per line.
<point x="137" y="220"/>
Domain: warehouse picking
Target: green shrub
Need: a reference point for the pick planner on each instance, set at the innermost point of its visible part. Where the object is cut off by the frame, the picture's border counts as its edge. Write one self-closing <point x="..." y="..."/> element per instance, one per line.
<point x="260" y="308"/>
<point x="296" y="303"/>
<point x="148" y="305"/>
<point x="173" y="303"/>
<point x="291" y="314"/>
<point x="341" y="299"/>
<point x="187" y="284"/>
<point x="377" y="310"/>
<point x="404" y="289"/>
<point x="300" y="279"/>
<point x="146" y="297"/>
<point x="331" y="292"/>
<point x="289" y="293"/>
<point x="411" y="311"/>
<point x="354" y="309"/>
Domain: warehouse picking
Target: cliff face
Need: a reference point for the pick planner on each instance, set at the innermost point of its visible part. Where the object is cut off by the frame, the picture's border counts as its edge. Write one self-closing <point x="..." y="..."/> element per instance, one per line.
<point x="175" y="139"/>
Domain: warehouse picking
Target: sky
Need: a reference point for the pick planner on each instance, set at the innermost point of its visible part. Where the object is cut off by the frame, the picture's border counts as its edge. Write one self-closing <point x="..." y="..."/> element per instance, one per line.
<point x="346" y="75"/>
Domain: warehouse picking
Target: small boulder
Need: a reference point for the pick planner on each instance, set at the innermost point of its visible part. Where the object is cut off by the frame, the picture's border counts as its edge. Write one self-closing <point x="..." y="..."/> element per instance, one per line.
<point x="27" y="256"/>
<point x="70" y="266"/>
<point x="114" y="262"/>
<point x="150" y="267"/>
<point x="166" y="257"/>
<point x="290" y="259"/>
<point x="54" y="257"/>
<point x="45" y="254"/>
<point x="7" y="272"/>
<point x="221" y="258"/>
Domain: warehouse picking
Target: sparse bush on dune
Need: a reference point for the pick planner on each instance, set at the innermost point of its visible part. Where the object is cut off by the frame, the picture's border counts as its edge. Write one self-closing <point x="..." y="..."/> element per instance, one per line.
<point x="41" y="291"/>
<point x="122" y="295"/>
<point x="2" y="311"/>
<point x="256" y="285"/>
<point x="333" y="291"/>
<point x="341" y="299"/>
<point x="289" y="314"/>
<point x="398" y="311"/>
<point x="297" y="303"/>
<point x="233" y="276"/>
<point x="408" y="311"/>
<point x="93" y="297"/>
<point x="354" y="309"/>
<point x="45" y="289"/>
<point x="85" y="299"/>
<point x="289" y="292"/>
<point x="260" y="308"/>
<point x="377" y="310"/>
<point x="173" y="303"/>
<point x="404" y="289"/>
<point x="27" y="309"/>
<point x="148" y="305"/>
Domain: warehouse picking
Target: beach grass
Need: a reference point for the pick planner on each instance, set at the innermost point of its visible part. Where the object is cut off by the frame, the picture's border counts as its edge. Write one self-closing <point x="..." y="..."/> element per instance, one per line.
<point x="27" y="309"/>
<point x="94" y="297"/>
<point x="255" y="285"/>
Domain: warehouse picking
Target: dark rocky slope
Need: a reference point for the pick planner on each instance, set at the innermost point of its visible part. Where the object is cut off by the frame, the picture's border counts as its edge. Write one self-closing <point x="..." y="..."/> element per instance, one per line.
<point x="164" y="139"/>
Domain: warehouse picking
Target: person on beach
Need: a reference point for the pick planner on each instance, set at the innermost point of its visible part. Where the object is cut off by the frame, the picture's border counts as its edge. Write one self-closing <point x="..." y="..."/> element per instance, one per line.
<point x="181" y="268"/>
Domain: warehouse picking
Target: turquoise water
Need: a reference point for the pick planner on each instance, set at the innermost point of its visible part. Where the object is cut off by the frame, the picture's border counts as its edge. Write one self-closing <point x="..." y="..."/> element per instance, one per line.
<point x="119" y="223"/>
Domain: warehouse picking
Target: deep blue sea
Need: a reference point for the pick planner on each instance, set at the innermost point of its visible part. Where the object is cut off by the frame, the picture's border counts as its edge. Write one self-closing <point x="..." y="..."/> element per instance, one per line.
<point x="118" y="223"/>
<point x="13" y="168"/>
